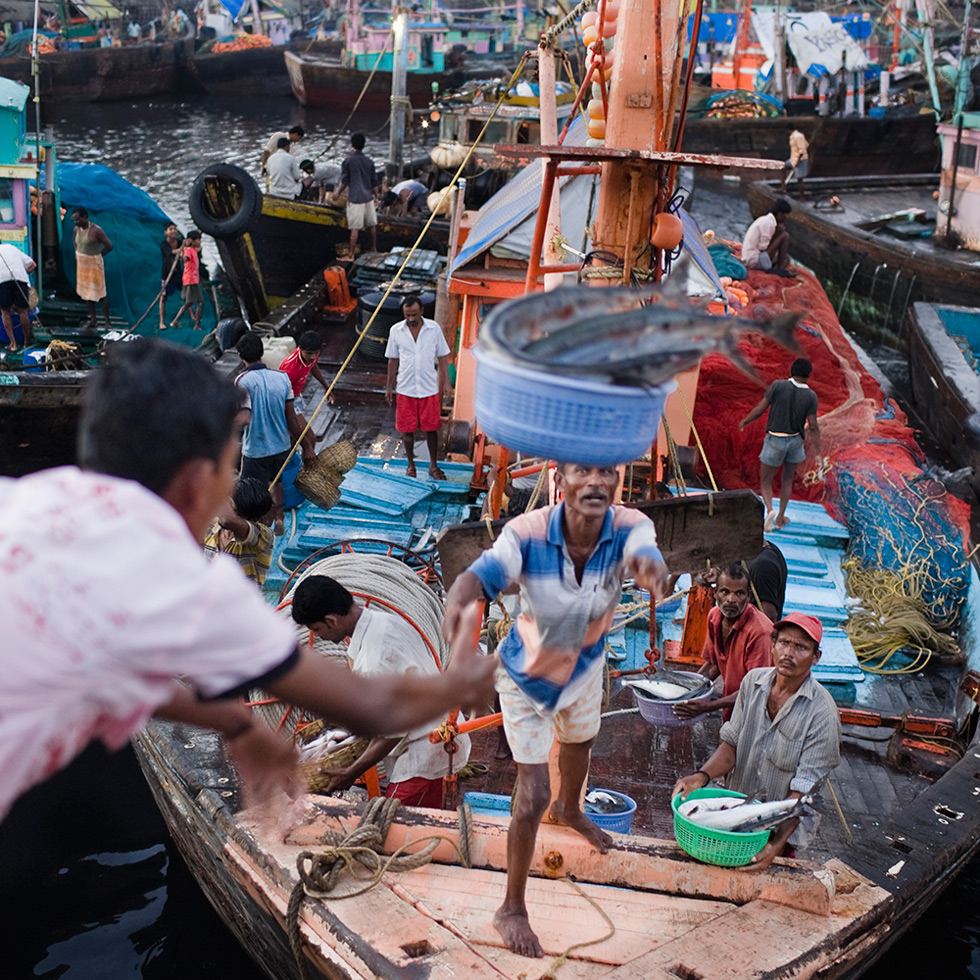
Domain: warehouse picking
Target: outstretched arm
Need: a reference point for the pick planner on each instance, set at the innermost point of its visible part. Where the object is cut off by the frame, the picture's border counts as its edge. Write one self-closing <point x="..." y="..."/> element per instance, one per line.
<point x="755" y="413"/>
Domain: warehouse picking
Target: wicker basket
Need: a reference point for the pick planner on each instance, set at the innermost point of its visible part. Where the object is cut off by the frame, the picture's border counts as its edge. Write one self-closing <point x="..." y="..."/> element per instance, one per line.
<point x="320" y="483"/>
<point x="341" y="456"/>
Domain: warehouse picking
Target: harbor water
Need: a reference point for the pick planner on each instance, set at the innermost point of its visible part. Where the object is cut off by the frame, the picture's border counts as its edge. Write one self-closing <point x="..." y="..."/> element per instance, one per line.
<point x="91" y="886"/>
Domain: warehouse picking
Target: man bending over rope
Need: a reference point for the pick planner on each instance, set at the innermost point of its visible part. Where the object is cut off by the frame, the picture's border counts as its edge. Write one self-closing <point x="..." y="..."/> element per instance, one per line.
<point x="570" y="561"/>
<point x="381" y="642"/>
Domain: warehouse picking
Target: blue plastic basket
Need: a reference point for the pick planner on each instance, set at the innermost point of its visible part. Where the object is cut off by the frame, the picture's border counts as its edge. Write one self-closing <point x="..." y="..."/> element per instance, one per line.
<point x="566" y="418"/>
<point x="488" y="804"/>
<point x="621" y="822"/>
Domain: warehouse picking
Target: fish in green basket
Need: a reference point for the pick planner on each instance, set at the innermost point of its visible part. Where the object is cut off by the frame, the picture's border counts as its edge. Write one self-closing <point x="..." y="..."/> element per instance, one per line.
<point x="747" y="818"/>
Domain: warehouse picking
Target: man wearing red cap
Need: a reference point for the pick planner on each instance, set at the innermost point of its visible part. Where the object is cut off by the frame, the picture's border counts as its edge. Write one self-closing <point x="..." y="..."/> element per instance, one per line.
<point x="783" y="739"/>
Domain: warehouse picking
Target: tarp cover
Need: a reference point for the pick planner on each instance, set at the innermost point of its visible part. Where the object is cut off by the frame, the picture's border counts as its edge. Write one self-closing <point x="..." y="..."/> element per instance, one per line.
<point x="819" y="45"/>
<point x="135" y="224"/>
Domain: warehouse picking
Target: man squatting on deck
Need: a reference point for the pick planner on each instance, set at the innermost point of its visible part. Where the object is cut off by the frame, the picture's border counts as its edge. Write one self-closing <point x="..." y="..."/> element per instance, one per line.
<point x="739" y="639"/>
<point x="783" y="739"/>
<point x="110" y="598"/>
<point x="766" y="242"/>
<point x="570" y="560"/>
<point x="380" y="642"/>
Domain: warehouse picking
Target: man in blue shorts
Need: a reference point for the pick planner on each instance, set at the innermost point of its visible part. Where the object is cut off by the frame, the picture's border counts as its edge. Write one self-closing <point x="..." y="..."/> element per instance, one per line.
<point x="792" y="406"/>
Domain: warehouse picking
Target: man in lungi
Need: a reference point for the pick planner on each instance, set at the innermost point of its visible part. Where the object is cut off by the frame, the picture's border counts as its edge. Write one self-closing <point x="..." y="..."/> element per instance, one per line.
<point x="91" y="246"/>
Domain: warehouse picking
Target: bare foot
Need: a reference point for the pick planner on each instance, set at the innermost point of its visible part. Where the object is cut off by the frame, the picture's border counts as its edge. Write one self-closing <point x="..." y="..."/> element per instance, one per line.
<point x="781" y="522"/>
<point x="517" y="933"/>
<point x="410" y="469"/>
<point x="579" y="822"/>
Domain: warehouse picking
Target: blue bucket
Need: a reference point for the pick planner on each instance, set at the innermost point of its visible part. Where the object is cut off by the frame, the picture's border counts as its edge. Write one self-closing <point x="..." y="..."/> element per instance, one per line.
<point x="567" y="418"/>
<point x="622" y="821"/>
<point x="291" y="497"/>
<point x="34" y="358"/>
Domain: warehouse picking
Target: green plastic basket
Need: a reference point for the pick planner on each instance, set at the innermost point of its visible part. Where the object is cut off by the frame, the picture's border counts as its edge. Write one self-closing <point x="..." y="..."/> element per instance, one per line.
<point x="720" y="847"/>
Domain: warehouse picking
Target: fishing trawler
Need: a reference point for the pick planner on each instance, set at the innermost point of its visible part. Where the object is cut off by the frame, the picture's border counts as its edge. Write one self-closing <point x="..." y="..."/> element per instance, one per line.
<point x="907" y="781"/>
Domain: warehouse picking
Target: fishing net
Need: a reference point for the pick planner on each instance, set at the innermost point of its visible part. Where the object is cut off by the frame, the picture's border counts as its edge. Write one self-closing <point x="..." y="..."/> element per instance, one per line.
<point x="868" y="475"/>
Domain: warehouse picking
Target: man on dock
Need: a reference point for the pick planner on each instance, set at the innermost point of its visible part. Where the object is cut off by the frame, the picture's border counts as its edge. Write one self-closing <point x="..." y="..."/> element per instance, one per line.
<point x="570" y="560"/>
<point x="134" y="605"/>
<point x="766" y="243"/>
<point x="271" y="423"/>
<point x="359" y="178"/>
<point x="418" y="371"/>
<point x="739" y="639"/>
<point x="294" y="135"/>
<point x="783" y="739"/>
<point x="381" y="642"/>
<point x="92" y="245"/>
<point x="792" y="407"/>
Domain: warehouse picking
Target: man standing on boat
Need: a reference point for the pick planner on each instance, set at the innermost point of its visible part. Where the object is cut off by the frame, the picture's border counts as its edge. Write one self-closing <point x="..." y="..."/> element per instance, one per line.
<point x="15" y="286"/>
<point x="570" y="560"/>
<point x="783" y="739"/>
<point x="91" y="246"/>
<point x="359" y="178"/>
<point x="138" y="606"/>
<point x="381" y="642"/>
<point x="271" y="423"/>
<point x="294" y="135"/>
<point x="739" y="639"/>
<point x="766" y="243"/>
<point x="792" y="407"/>
<point x="285" y="176"/>
<point x="798" y="164"/>
<point x="418" y="371"/>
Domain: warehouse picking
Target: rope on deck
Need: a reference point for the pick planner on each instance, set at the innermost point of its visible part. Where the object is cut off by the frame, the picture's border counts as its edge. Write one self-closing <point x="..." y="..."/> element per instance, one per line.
<point x="359" y="851"/>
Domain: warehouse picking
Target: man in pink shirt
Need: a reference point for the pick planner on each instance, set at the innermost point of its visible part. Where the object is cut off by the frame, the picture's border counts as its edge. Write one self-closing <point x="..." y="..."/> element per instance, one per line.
<point x="739" y="638"/>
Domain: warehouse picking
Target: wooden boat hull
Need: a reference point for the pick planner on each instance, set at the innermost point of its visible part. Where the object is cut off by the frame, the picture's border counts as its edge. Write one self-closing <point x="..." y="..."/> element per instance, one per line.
<point x="838" y="147"/>
<point x="328" y="85"/>
<point x="872" y="278"/>
<point x="271" y="246"/>
<point x="945" y="387"/>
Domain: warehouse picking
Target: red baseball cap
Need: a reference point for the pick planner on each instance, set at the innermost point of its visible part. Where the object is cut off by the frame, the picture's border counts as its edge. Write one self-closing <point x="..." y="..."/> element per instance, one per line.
<point x="809" y="624"/>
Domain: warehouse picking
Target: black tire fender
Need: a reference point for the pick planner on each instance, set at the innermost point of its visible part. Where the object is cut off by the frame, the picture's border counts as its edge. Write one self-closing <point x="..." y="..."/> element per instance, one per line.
<point x="219" y="187"/>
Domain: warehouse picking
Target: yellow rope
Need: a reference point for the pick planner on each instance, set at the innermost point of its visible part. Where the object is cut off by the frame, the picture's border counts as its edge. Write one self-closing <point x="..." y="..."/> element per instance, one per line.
<point x="675" y="463"/>
<point x="405" y="261"/>
<point x="840" y="812"/>
<point x="532" y="501"/>
<point x="697" y="438"/>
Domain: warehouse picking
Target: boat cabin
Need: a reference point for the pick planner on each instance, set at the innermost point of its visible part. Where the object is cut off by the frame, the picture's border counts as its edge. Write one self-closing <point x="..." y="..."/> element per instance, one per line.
<point x="18" y="167"/>
<point x="961" y="169"/>
<point x="369" y="45"/>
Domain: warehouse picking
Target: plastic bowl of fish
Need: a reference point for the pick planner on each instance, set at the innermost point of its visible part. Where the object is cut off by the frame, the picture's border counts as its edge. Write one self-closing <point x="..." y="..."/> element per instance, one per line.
<point x="728" y="848"/>
<point x="656" y="696"/>
<point x="610" y="810"/>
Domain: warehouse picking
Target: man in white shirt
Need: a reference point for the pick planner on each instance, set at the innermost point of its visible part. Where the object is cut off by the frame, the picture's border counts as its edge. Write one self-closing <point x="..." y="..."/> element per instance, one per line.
<point x="766" y="243"/>
<point x="285" y="176"/>
<point x="415" y="345"/>
<point x="382" y="642"/>
<point x="405" y="198"/>
<point x="15" y="267"/>
<point x="295" y="134"/>
<point x="321" y="176"/>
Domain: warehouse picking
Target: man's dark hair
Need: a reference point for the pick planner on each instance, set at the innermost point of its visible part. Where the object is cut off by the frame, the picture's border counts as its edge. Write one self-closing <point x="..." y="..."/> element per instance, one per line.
<point x="194" y="234"/>
<point x="358" y="141"/>
<point x="317" y="597"/>
<point x="389" y="198"/>
<point x="252" y="499"/>
<point x="412" y="299"/>
<point x="782" y="206"/>
<point x="298" y="130"/>
<point x="282" y="142"/>
<point x="307" y="165"/>
<point x="153" y="407"/>
<point x="801" y="368"/>
<point x="734" y="570"/>
<point x="250" y="347"/>
<point x="310" y="340"/>
<point x="80" y="211"/>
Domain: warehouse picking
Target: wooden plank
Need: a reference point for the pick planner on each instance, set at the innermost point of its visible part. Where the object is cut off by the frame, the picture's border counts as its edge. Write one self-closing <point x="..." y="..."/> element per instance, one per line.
<point x="384" y="493"/>
<point x="692" y="531"/>
<point x="559" y="914"/>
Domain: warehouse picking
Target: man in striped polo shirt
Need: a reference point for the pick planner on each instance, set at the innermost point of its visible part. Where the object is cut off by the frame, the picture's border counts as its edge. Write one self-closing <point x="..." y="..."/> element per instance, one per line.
<point x="570" y="561"/>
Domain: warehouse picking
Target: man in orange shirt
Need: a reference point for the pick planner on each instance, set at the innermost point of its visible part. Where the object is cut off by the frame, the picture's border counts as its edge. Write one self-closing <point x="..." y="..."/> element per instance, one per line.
<point x="739" y="638"/>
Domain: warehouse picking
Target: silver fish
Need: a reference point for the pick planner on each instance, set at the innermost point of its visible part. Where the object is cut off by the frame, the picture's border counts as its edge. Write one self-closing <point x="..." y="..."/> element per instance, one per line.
<point x="596" y="801"/>
<point x="751" y="817"/>
<point x="708" y="803"/>
<point x="661" y="690"/>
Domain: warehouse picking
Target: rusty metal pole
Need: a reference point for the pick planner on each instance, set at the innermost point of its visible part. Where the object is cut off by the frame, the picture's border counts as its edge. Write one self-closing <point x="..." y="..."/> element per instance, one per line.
<point x="549" y="137"/>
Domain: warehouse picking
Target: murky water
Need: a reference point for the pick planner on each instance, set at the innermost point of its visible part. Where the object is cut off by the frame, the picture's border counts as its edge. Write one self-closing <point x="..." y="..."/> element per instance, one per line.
<point x="90" y="884"/>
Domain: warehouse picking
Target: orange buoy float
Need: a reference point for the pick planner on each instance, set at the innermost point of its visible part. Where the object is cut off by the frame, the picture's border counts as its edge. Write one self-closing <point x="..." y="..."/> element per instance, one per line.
<point x="667" y="231"/>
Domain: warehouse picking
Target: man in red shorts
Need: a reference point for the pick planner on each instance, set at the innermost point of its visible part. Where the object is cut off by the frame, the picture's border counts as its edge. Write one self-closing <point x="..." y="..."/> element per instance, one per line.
<point x="418" y="357"/>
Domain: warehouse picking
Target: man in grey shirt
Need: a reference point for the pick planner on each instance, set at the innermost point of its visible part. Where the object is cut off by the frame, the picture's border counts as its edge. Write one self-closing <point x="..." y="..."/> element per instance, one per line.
<point x="358" y="176"/>
<point x="792" y="406"/>
<point x="783" y="739"/>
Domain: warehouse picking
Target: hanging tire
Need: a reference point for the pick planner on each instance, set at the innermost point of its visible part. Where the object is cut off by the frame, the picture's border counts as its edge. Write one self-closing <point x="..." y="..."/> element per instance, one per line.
<point x="224" y="199"/>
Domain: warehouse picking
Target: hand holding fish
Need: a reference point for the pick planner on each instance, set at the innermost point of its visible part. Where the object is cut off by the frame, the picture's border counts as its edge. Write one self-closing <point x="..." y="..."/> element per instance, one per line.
<point x="687" y="784"/>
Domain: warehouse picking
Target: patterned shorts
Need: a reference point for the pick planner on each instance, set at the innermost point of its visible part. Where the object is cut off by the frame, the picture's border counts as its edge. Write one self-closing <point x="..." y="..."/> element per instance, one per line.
<point x="530" y="734"/>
